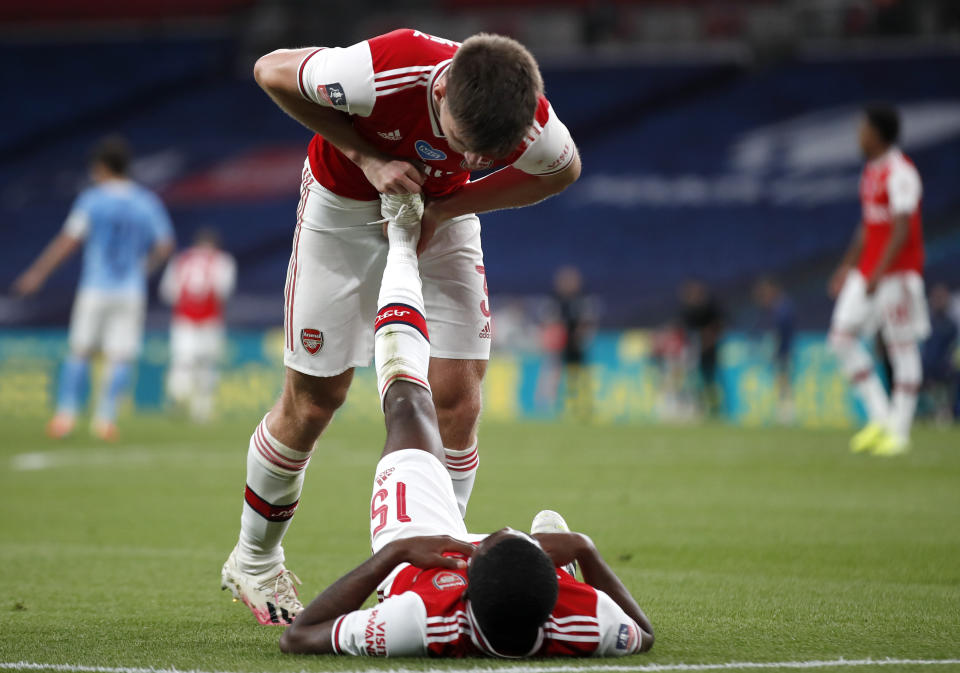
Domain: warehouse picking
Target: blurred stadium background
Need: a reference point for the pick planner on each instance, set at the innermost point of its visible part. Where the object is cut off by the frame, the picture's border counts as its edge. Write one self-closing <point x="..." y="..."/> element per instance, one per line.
<point x="718" y="141"/>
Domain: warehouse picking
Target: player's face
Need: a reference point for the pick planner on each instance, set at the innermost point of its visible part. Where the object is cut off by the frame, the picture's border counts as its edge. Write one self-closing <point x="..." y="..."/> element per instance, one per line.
<point x="867" y="138"/>
<point x="451" y="129"/>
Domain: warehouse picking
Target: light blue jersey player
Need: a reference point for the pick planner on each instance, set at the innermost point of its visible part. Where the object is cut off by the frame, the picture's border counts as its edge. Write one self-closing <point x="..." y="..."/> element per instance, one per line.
<point x="126" y="234"/>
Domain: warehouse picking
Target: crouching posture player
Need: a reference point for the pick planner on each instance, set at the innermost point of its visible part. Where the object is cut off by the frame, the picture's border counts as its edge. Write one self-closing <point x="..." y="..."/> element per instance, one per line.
<point x="440" y="596"/>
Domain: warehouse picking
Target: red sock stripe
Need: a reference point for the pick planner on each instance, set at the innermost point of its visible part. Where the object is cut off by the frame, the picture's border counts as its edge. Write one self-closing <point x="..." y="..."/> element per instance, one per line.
<point x="402" y="314"/>
<point x="270" y="454"/>
<point x="861" y="375"/>
<point x="908" y="388"/>
<point x="467" y="463"/>
<point x="405" y="377"/>
<point x="268" y="511"/>
<point x="336" y="635"/>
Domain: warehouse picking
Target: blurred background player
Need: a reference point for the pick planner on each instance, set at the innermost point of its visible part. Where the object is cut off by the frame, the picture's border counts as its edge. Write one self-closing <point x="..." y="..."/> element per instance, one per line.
<point x="879" y="285"/>
<point x="197" y="282"/>
<point x="398" y="113"/>
<point x="702" y="316"/>
<point x="780" y="320"/>
<point x="126" y="235"/>
<point x="514" y="598"/>
<point x="938" y="355"/>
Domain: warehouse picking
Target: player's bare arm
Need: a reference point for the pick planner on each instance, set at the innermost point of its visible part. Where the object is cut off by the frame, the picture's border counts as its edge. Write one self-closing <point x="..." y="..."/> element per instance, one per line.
<point x="276" y="73"/>
<point x="56" y="253"/>
<point x="564" y="548"/>
<point x="898" y="237"/>
<point x="848" y="261"/>
<point x="310" y="633"/>
<point x="159" y="254"/>
<point x="506" y="188"/>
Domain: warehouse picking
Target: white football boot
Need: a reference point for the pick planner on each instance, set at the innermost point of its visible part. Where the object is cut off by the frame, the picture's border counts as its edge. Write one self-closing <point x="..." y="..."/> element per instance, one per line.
<point x="548" y="521"/>
<point x="272" y="598"/>
<point x="403" y="211"/>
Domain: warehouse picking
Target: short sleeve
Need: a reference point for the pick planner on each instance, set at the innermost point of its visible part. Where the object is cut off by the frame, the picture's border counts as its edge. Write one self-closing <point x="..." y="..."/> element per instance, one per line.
<point x="903" y="189"/>
<point x="619" y="634"/>
<point x="226" y="275"/>
<point x="339" y="77"/>
<point x="77" y="224"/>
<point x="550" y="151"/>
<point x="397" y="627"/>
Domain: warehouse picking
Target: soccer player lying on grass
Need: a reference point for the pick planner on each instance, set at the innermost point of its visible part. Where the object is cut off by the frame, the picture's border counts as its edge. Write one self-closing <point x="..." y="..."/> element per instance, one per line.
<point x="508" y="596"/>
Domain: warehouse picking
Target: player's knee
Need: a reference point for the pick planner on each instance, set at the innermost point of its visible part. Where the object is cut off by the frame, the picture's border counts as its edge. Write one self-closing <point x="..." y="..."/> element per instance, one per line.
<point x="408" y="401"/>
<point x="462" y="407"/>
<point x="289" y="640"/>
<point x="839" y="342"/>
<point x="312" y="401"/>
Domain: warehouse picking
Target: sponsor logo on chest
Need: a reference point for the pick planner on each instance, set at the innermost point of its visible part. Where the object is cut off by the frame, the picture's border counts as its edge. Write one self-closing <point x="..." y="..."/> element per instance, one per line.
<point x="428" y="153"/>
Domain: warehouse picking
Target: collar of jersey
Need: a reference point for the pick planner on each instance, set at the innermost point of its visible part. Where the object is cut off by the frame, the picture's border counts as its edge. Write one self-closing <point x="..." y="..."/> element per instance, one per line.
<point x="480" y="640"/>
<point x="438" y="70"/>
<point x="891" y="153"/>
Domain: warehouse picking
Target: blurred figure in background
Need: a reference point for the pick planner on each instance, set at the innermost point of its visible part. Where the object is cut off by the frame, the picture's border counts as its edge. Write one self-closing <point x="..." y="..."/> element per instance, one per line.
<point x="126" y="235"/>
<point x="939" y="369"/>
<point x="575" y="317"/>
<point x="780" y="320"/>
<point x="702" y="316"/>
<point x="197" y="282"/>
<point x="879" y="285"/>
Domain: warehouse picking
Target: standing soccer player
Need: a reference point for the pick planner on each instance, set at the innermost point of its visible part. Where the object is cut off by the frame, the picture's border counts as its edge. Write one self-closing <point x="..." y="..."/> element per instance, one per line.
<point x="400" y="113"/>
<point x="126" y="234"/>
<point x="879" y="285"/>
<point x="197" y="282"/>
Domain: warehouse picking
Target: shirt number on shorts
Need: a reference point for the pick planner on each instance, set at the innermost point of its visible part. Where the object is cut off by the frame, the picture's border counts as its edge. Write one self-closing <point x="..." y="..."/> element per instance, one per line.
<point x="484" y="308"/>
<point x="381" y="510"/>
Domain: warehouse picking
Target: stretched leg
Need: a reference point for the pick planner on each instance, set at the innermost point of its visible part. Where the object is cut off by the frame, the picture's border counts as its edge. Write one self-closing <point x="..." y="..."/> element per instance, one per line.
<point x="74" y="378"/>
<point x="858" y="367"/>
<point x="117" y="383"/>
<point x="907" y="375"/>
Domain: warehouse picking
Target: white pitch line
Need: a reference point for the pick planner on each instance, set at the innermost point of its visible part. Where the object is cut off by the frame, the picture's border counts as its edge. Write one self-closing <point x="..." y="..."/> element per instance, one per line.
<point x="526" y="668"/>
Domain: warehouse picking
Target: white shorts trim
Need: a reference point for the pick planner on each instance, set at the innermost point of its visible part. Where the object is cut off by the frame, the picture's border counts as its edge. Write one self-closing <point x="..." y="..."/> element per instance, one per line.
<point x="333" y="281"/>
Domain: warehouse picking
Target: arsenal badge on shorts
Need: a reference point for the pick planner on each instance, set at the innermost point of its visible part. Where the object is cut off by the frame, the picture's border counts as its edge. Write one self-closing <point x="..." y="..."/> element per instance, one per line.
<point x="312" y="340"/>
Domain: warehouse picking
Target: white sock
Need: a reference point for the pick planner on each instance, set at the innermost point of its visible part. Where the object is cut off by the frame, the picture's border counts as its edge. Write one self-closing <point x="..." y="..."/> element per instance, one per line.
<point x="856" y="364"/>
<point x="274" y="482"/>
<point x="402" y="344"/>
<point x="462" y="467"/>
<point x="907" y="376"/>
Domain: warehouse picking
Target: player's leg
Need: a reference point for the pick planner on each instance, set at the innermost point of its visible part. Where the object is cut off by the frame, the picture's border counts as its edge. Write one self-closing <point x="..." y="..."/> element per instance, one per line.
<point x="330" y="302"/>
<point x="180" y="376"/>
<point x="209" y="339"/>
<point x="412" y="492"/>
<point x="851" y="314"/>
<point x="84" y="336"/>
<point x="123" y="336"/>
<point x="905" y="322"/>
<point x="458" y="311"/>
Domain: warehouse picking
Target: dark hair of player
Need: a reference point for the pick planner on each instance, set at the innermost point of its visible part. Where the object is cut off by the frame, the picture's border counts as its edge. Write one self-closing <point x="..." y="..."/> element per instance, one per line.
<point x="493" y="86"/>
<point x="512" y="590"/>
<point x="113" y="153"/>
<point x="885" y="120"/>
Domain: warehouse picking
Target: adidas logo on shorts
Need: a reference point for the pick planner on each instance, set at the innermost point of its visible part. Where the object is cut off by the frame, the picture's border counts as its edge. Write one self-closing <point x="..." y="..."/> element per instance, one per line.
<point x="485" y="333"/>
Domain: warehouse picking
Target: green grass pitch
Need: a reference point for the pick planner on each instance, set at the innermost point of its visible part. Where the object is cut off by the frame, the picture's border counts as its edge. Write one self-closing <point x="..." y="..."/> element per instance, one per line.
<point x="759" y="545"/>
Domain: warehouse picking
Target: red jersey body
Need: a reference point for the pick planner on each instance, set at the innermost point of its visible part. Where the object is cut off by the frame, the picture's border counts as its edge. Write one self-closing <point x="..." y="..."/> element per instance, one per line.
<point x="196" y="282"/>
<point x="890" y="186"/>
<point x="425" y="612"/>
<point x="386" y="85"/>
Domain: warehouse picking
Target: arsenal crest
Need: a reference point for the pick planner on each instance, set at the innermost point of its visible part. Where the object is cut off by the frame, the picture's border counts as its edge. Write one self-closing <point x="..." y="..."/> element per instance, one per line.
<point x="312" y="340"/>
<point x="448" y="581"/>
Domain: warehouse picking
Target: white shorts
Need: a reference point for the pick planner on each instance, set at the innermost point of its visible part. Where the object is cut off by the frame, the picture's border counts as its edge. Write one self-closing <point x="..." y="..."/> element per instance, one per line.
<point x="109" y="323"/>
<point x="413" y="495"/>
<point x="193" y="343"/>
<point x="898" y="308"/>
<point x="333" y="282"/>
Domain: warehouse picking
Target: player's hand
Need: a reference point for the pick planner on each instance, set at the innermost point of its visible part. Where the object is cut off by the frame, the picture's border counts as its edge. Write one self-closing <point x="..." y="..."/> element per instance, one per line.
<point x="836" y="281"/>
<point x="428" y="551"/>
<point x="28" y="283"/>
<point x="433" y="216"/>
<point x="564" y="548"/>
<point x="393" y="176"/>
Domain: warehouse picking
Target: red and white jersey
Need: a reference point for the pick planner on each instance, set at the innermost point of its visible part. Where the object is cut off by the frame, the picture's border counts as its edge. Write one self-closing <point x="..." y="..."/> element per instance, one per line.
<point x="425" y="613"/>
<point x="386" y="85"/>
<point x="197" y="282"/>
<point x="890" y="186"/>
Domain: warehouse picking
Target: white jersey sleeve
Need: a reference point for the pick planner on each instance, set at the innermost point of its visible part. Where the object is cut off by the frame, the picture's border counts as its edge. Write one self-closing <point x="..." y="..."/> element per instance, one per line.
<point x="339" y="77"/>
<point x="903" y="188"/>
<point x="619" y="634"/>
<point x="226" y="275"/>
<point x="550" y="148"/>
<point x="397" y="627"/>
